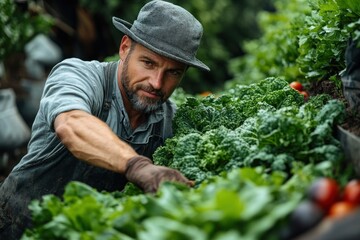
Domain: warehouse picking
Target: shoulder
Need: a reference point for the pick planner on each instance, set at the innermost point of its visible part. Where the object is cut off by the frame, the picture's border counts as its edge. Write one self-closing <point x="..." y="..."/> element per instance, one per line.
<point x="79" y="84"/>
<point x="80" y="62"/>
<point x="74" y="71"/>
<point x="78" y="66"/>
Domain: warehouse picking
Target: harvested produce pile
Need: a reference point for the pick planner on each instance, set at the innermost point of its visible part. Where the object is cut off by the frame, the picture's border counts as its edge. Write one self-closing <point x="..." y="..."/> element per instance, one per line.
<point x="266" y="124"/>
<point x="251" y="173"/>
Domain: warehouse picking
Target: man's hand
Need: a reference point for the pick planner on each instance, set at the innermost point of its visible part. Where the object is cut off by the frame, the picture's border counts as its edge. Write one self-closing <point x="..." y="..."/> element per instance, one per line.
<point x="143" y="173"/>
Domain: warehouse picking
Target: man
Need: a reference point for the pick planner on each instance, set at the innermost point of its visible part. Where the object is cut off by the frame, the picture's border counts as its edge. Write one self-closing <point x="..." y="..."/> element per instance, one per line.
<point x="100" y="124"/>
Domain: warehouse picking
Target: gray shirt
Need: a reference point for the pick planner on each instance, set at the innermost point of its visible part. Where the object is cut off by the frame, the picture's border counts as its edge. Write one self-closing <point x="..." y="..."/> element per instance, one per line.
<point x="49" y="166"/>
<point x="75" y="84"/>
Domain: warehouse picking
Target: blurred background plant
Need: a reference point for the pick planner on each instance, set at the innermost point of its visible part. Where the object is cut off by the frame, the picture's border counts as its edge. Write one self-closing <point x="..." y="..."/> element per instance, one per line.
<point x="244" y="41"/>
<point x="301" y="41"/>
<point x="20" y="21"/>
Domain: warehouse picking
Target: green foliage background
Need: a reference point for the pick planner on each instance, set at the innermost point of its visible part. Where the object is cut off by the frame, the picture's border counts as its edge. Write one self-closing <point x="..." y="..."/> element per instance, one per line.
<point x="18" y="27"/>
<point x="303" y="40"/>
<point x="244" y="41"/>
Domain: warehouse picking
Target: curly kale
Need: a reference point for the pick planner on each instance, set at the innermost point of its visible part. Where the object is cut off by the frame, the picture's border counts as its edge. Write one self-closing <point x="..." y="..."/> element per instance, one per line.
<point x="288" y="135"/>
<point x="180" y="152"/>
<point x="200" y="156"/>
<point x="233" y="107"/>
<point x="218" y="147"/>
<point x="196" y="115"/>
<point x="272" y="138"/>
<point x="331" y="114"/>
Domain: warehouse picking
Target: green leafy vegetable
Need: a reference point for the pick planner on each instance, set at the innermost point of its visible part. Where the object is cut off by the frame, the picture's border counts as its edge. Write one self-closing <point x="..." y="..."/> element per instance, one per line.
<point x="274" y="134"/>
<point x="232" y="108"/>
<point x="244" y="203"/>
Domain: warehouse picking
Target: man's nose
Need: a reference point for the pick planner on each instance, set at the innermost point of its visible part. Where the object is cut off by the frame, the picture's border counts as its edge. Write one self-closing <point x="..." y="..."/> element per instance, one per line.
<point x="157" y="79"/>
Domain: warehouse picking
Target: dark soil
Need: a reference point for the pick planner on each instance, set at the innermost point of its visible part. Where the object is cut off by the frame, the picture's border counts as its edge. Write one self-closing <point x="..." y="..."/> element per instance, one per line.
<point x="352" y="120"/>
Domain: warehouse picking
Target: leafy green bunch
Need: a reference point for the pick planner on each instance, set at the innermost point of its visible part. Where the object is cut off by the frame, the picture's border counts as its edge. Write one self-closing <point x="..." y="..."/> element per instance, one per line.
<point x="249" y="177"/>
<point x="233" y="107"/>
<point x="271" y="137"/>
<point x="241" y="204"/>
<point x="323" y="38"/>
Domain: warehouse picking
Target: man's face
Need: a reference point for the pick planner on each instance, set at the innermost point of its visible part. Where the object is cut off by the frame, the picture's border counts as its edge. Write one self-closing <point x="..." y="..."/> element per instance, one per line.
<point x="148" y="79"/>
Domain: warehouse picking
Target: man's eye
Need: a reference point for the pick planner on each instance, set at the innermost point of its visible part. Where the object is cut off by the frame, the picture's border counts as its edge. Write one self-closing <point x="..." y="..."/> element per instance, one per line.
<point x="176" y="73"/>
<point x="148" y="63"/>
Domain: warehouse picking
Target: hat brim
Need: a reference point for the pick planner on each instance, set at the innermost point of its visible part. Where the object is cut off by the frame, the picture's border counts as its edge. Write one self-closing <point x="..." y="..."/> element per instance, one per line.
<point x="125" y="27"/>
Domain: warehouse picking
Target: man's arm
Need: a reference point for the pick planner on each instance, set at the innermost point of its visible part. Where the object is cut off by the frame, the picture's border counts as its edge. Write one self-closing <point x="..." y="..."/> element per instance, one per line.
<point x="91" y="140"/>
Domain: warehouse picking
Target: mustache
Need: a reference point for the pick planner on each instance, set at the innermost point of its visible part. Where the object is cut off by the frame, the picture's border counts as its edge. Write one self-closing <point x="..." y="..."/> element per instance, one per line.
<point x="152" y="90"/>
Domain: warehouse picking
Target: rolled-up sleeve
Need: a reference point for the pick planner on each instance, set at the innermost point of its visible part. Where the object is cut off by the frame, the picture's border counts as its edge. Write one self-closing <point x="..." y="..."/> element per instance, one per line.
<point x="72" y="85"/>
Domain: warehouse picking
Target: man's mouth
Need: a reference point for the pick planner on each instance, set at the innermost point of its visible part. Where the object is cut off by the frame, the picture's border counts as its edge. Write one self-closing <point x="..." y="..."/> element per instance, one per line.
<point x="151" y="93"/>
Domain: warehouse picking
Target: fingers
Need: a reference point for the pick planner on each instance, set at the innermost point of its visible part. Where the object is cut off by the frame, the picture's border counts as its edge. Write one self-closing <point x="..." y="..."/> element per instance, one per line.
<point x="144" y="174"/>
<point x="172" y="175"/>
<point x="162" y="174"/>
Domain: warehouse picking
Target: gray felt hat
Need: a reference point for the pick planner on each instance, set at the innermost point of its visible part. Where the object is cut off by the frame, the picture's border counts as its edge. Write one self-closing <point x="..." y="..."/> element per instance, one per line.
<point x="166" y="29"/>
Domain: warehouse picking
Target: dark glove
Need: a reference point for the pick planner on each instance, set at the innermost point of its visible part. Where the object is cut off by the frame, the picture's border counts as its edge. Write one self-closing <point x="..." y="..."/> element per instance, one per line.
<point x="143" y="173"/>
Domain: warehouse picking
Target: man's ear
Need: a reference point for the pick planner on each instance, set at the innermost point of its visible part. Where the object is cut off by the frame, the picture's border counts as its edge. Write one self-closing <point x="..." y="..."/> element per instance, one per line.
<point x="124" y="47"/>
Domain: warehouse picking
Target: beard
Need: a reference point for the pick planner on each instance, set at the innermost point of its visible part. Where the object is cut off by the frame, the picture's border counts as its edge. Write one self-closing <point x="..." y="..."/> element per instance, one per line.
<point x="143" y="104"/>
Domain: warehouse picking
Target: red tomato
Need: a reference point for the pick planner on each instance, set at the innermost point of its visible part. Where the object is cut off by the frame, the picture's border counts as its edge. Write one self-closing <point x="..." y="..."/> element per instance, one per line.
<point x="296" y="85"/>
<point x="325" y="192"/>
<point x="352" y="192"/>
<point x="341" y="209"/>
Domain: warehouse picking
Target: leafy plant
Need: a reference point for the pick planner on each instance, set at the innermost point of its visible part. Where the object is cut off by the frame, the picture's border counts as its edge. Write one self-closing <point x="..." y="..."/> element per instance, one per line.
<point x="244" y="203"/>
<point x="233" y="107"/>
<point x="303" y="40"/>
<point x="18" y="27"/>
<point x="271" y="138"/>
<point x="249" y="178"/>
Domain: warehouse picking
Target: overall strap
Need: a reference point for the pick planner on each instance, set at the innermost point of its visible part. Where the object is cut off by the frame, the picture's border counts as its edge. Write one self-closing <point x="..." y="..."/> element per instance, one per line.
<point x="108" y="92"/>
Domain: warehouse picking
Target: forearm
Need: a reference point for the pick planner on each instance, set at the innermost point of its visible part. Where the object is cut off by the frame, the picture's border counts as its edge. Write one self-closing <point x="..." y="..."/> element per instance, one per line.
<point x="91" y="140"/>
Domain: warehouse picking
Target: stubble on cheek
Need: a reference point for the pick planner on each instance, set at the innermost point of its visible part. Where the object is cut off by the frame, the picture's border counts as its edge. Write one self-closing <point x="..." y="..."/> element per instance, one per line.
<point x="134" y="93"/>
<point x="141" y="91"/>
<point x="143" y="102"/>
